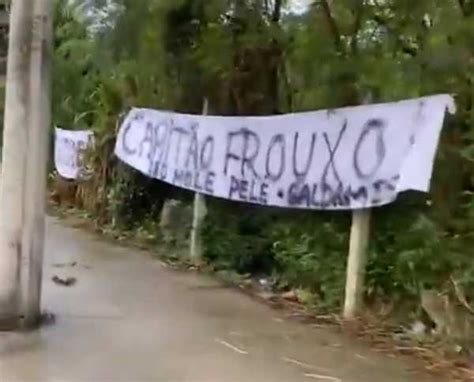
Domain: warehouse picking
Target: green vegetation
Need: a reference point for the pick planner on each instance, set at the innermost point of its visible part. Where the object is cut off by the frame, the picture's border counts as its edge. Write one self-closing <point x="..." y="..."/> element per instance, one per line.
<point x="253" y="57"/>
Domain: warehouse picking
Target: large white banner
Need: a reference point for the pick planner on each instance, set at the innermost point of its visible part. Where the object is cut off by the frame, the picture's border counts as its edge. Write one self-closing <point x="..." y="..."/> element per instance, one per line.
<point x="347" y="158"/>
<point x="68" y="149"/>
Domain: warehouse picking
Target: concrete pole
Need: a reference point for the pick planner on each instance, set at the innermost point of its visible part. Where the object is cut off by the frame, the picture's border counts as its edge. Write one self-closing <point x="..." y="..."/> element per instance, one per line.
<point x="199" y="214"/>
<point x="36" y="165"/>
<point x="356" y="263"/>
<point x="15" y="146"/>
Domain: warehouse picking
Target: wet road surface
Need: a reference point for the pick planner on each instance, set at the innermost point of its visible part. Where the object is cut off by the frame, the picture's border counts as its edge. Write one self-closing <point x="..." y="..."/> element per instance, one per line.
<point x="130" y="319"/>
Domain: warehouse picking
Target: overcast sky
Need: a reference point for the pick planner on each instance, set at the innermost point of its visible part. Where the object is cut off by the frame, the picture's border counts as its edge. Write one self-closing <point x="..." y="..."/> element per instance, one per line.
<point x="299" y="6"/>
<point x="294" y="6"/>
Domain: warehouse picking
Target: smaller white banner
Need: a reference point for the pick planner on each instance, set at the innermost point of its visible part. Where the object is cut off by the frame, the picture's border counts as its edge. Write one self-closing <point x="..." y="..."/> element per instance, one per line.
<point x="68" y="149"/>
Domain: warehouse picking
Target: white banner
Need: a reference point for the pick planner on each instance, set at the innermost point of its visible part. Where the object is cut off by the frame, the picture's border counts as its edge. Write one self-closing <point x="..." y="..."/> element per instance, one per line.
<point x="347" y="158"/>
<point x="68" y="149"/>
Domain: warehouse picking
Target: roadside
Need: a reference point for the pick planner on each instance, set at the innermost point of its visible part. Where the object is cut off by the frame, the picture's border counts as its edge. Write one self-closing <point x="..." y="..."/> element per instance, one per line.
<point x="372" y="330"/>
<point x="129" y="318"/>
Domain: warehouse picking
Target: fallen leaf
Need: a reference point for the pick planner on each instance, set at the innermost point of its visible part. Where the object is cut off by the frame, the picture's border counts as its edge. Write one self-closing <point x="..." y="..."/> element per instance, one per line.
<point x="230" y="346"/>
<point x="290" y="296"/>
<point x="69" y="281"/>
<point x="323" y="377"/>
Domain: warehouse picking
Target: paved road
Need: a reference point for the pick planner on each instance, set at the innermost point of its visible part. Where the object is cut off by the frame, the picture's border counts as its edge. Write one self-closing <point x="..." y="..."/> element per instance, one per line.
<point x="130" y="319"/>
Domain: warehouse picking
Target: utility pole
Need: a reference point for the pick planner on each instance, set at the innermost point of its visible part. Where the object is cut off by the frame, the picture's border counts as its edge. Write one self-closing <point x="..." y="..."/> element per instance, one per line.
<point x="15" y="148"/>
<point x="36" y="164"/>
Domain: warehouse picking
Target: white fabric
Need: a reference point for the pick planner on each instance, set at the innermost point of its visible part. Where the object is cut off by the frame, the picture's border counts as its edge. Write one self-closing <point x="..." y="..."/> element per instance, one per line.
<point x="69" y="145"/>
<point x="347" y="158"/>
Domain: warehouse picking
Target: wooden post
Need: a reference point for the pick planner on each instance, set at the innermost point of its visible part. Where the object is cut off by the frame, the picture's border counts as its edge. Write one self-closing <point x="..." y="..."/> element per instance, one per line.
<point x="199" y="214"/>
<point x="356" y="263"/>
<point x="36" y="164"/>
<point x="15" y="149"/>
<point x="357" y="258"/>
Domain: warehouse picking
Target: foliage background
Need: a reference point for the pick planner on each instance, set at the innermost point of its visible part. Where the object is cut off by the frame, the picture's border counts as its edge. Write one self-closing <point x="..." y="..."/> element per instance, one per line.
<point x="255" y="57"/>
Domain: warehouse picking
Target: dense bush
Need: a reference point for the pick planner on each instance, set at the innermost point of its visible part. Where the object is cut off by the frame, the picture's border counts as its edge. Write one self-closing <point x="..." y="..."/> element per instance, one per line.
<point x="238" y="237"/>
<point x="408" y="252"/>
<point x="134" y="198"/>
<point x="255" y="57"/>
<point x="311" y="253"/>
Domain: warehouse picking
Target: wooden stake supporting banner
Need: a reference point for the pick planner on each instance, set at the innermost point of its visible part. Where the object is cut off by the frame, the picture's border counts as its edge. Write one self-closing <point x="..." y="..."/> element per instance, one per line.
<point x="199" y="214"/>
<point x="357" y="261"/>
<point x="357" y="258"/>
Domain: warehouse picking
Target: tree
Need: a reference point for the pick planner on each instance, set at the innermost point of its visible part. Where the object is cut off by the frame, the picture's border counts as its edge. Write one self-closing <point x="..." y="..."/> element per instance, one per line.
<point x="254" y="57"/>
